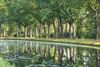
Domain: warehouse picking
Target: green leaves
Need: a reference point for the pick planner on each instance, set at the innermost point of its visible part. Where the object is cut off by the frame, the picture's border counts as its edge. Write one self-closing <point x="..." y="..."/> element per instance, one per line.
<point x="4" y="63"/>
<point x="3" y="12"/>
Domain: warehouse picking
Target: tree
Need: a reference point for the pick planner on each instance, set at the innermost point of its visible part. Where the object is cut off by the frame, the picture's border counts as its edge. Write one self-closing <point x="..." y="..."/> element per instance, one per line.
<point x="3" y="13"/>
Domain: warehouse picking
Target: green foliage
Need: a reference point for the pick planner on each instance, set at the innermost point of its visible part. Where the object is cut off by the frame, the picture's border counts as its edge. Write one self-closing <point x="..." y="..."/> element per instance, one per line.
<point x="40" y="14"/>
<point x="4" y="63"/>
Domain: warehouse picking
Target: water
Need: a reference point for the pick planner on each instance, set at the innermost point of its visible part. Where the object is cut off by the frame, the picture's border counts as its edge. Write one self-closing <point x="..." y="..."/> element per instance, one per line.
<point x="20" y="53"/>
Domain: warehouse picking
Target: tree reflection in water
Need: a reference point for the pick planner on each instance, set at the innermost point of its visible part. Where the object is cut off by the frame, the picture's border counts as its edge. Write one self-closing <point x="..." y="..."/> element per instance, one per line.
<point x="28" y="53"/>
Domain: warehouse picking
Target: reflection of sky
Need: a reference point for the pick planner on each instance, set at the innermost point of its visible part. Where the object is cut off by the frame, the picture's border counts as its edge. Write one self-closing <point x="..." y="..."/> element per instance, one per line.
<point x="5" y="44"/>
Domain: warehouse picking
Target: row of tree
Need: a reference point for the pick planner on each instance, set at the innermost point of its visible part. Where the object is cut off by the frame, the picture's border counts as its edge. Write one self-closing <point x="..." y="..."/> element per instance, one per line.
<point x="50" y="18"/>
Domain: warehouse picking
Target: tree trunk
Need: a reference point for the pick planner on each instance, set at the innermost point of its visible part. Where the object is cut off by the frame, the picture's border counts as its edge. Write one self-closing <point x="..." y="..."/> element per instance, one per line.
<point x="61" y="26"/>
<point x="40" y="30"/>
<point x="25" y="31"/>
<point x="74" y="33"/>
<point x="17" y="31"/>
<point x="4" y="33"/>
<point x="48" y="30"/>
<point x="97" y="25"/>
<point x="58" y="31"/>
<point x="97" y="20"/>
<point x="20" y="31"/>
<point x="79" y="29"/>
<point x="66" y="28"/>
<point x="45" y="34"/>
<point x="70" y="30"/>
<point x="36" y="31"/>
<point x="0" y="31"/>
<point x="30" y="28"/>
<point x="71" y="27"/>
<point x="54" y="26"/>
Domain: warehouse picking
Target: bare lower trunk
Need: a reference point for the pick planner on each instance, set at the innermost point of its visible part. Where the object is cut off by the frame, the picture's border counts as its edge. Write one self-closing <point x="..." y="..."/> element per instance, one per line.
<point x="40" y="30"/>
<point x="97" y="26"/>
<point x="36" y="31"/>
<point x="30" y="31"/>
<point x="71" y="27"/>
<point x="55" y="31"/>
<point x="66" y="27"/>
<point x="74" y="33"/>
<point x="61" y="27"/>
<point x="45" y="29"/>
<point x="48" y="30"/>
<point x="4" y="33"/>
<point x="17" y="31"/>
<point x="58" y="31"/>
<point x="71" y="30"/>
<point x="25" y="32"/>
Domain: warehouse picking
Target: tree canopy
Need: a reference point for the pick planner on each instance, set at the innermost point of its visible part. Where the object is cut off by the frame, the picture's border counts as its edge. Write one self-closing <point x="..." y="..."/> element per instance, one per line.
<point x="50" y="18"/>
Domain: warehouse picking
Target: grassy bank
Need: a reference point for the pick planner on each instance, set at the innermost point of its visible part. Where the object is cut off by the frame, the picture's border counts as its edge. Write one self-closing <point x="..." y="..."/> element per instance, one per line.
<point x="75" y="41"/>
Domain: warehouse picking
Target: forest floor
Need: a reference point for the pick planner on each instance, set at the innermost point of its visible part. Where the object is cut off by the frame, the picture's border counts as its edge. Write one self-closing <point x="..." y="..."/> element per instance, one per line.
<point x="72" y="41"/>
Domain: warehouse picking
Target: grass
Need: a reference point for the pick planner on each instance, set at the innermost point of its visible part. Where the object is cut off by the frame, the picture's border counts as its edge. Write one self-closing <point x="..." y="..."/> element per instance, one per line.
<point x="73" y="41"/>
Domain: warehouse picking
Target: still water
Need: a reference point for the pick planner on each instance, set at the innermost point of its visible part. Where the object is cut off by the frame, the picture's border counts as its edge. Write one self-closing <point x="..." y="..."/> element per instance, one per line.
<point x="20" y="53"/>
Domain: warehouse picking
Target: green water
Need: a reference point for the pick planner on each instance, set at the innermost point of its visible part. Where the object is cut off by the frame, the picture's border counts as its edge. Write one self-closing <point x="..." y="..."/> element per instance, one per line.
<point x="20" y="53"/>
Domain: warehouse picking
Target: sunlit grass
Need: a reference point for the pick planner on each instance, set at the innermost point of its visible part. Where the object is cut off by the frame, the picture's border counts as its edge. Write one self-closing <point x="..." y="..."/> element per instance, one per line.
<point x="64" y="40"/>
<point x="76" y="41"/>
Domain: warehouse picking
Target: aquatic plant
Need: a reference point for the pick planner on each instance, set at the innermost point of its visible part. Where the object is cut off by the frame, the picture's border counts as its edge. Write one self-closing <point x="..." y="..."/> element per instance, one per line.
<point x="4" y="63"/>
